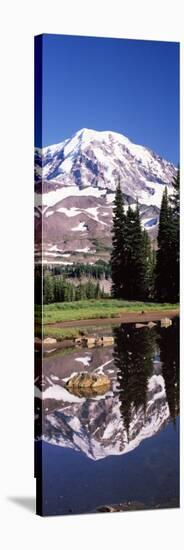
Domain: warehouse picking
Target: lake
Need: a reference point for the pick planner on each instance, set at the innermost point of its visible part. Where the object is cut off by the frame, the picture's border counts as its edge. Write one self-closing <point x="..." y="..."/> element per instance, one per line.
<point x="115" y="450"/>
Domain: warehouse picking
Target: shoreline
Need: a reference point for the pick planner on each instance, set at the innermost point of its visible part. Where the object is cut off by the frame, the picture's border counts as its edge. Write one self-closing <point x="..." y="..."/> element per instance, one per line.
<point x="128" y="317"/>
<point x="67" y="341"/>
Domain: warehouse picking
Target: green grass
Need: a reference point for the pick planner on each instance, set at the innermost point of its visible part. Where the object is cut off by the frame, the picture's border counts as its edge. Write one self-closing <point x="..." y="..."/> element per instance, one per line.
<point x="58" y="333"/>
<point x="68" y="333"/>
<point x="95" y="309"/>
<point x="61" y="333"/>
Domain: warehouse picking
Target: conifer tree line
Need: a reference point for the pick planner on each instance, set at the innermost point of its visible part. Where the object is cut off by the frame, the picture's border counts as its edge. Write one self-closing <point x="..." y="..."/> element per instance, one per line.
<point x="58" y="289"/>
<point x="138" y="271"/>
<point x="132" y="259"/>
<point x="167" y="265"/>
<point x="99" y="270"/>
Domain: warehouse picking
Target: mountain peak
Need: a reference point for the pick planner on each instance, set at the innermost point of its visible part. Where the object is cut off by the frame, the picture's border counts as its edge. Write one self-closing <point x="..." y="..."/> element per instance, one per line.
<point x="100" y="135"/>
<point x="79" y="178"/>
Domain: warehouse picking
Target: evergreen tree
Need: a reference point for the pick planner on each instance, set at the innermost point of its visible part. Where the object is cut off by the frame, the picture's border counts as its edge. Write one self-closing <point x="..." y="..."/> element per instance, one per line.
<point x="149" y="256"/>
<point x="59" y="289"/>
<point x="175" y="244"/>
<point x="118" y="246"/>
<point x="152" y="276"/>
<point x="163" y="272"/>
<point x="48" y="289"/>
<point x="136" y="261"/>
<point x="38" y="285"/>
<point x="175" y="198"/>
<point x="167" y="263"/>
<point x="97" y="290"/>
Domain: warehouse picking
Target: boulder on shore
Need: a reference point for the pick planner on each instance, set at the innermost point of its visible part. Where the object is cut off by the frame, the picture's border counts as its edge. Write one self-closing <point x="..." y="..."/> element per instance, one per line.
<point x="78" y="341"/>
<point x="49" y="340"/>
<point x="108" y="340"/>
<point x="90" y="341"/>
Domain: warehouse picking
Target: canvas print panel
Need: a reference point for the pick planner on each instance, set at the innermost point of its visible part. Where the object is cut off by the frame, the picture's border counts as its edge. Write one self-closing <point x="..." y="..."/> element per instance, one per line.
<point x="106" y="274"/>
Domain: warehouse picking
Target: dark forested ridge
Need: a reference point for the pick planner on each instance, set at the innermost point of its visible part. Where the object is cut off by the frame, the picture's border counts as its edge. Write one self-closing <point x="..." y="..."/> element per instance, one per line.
<point x="99" y="270"/>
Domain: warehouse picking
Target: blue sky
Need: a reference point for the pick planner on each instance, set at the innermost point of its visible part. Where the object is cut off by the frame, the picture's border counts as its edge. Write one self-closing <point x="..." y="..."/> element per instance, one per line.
<point x="128" y="86"/>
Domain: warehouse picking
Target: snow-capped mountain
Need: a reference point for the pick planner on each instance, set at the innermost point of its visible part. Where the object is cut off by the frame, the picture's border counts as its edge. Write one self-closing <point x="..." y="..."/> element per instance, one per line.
<point x="75" y="182"/>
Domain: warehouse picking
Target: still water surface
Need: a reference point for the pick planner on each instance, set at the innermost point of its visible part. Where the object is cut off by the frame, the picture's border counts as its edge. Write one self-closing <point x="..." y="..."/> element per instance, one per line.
<point x="121" y="447"/>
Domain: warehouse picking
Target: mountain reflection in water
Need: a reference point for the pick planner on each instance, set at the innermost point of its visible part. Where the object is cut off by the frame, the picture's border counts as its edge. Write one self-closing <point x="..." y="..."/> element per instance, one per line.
<point x="143" y="366"/>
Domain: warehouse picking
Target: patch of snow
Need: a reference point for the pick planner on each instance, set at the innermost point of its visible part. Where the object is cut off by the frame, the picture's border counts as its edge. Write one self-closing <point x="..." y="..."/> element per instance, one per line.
<point x="157" y="381"/>
<point x="52" y="253"/>
<point x="99" y="369"/>
<point x="86" y="249"/>
<point x="110" y="197"/>
<point x="70" y="212"/>
<point x="53" y="197"/>
<point x="154" y="198"/>
<point x="93" y="211"/>
<point x="49" y="213"/>
<point x="109" y="430"/>
<point x="65" y="263"/>
<point x="55" y="262"/>
<point x="59" y="394"/>
<point x="66" y="165"/>
<point x="85" y="360"/>
<point x="80" y="227"/>
<point x="75" y="424"/>
<point x="54" y="248"/>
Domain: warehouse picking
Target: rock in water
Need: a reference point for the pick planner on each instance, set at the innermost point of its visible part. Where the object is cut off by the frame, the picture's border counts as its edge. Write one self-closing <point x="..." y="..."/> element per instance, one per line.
<point x="122" y="507"/>
<point x="88" y="384"/>
<point x="166" y="322"/>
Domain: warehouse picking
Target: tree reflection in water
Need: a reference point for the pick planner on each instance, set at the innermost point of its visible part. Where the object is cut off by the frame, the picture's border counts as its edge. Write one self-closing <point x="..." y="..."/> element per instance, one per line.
<point x="134" y="353"/>
<point x="133" y="357"/>
<point x="168" y="339"/>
